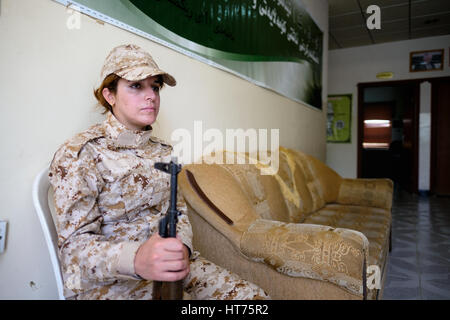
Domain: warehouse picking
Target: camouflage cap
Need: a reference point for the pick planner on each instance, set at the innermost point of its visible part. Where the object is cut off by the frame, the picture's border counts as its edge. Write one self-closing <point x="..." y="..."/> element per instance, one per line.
<point x="133" y="63"/>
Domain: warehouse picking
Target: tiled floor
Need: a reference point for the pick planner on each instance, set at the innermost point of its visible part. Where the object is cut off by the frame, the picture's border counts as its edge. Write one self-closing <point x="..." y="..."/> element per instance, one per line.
<point x="419" y="264"/>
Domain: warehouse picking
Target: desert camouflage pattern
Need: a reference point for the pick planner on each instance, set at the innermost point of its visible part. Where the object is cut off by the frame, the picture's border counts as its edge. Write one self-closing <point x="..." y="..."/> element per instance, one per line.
<point x="206" y="281"/>
<point x="132" y="63"/>
<point x="109" y="199"/>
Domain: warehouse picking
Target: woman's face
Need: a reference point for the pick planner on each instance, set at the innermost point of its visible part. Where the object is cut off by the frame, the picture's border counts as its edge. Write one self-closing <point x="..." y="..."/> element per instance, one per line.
<point x="135" y="103"/>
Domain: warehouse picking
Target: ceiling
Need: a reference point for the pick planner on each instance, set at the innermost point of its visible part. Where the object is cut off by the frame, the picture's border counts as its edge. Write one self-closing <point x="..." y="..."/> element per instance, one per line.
<point x="400" y="20"/>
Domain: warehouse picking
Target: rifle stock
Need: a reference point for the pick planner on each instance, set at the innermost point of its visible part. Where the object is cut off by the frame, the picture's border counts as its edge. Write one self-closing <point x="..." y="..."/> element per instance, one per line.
<point x="168" y="228"/>
<point x="168" y="290"/>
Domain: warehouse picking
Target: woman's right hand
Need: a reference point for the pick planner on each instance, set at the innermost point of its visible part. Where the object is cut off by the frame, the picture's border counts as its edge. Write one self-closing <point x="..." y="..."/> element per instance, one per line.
<point x="162" y="259"/>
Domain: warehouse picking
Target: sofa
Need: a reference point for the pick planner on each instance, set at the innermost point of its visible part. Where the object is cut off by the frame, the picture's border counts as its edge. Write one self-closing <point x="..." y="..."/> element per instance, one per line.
<point x="302" y="232"/>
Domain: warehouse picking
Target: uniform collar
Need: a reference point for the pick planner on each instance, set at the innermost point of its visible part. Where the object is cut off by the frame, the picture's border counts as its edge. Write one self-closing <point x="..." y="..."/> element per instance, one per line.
<point x="123" y="137"/>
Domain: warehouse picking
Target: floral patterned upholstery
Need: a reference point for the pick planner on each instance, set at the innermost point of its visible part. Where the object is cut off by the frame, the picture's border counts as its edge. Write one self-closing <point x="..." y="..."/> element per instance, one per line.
<point x="302" y="233"/>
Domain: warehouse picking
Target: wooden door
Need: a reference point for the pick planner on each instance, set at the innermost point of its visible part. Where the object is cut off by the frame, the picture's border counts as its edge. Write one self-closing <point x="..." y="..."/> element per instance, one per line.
<point x="408" y="157"/>
<point x="440" y="137"/>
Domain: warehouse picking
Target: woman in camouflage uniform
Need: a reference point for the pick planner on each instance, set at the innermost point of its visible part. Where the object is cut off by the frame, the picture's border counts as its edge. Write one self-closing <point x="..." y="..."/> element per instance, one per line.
<point x="109" y="198"/>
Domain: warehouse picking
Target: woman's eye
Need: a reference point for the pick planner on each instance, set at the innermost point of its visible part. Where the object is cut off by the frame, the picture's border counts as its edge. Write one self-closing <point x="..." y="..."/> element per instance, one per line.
<point x="156" y="88"/>
<point x="135" y="86"/>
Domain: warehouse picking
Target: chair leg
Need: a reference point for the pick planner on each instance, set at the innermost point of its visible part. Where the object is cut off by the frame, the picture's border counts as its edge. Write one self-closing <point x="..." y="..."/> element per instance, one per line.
<point x="390" y="239"/>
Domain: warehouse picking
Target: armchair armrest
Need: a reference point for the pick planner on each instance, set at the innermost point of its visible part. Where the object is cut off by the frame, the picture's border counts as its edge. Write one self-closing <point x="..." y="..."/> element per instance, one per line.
<point x="366" y="192"/>
<point x="310" y="251"/>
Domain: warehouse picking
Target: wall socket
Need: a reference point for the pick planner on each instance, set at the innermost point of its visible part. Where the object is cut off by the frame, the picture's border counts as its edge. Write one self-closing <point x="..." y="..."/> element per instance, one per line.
<point x="3" y="225"/>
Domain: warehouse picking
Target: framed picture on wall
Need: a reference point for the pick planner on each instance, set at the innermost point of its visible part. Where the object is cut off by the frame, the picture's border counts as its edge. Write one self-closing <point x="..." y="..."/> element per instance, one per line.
<point x="429" y="60"/>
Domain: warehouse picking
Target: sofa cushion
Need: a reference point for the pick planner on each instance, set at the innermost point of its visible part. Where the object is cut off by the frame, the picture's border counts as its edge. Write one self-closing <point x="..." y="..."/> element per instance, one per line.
<point x="374" y="223"/>
<point x="303" y="188"/>
<point x="291" y="189"/>
<point x="262" y="190"/>
<point x="328" y="180"/>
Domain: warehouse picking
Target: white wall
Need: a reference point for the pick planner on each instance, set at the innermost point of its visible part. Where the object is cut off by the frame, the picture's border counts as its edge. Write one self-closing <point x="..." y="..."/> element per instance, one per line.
<point x="348" y="67"/>
<point x="47" y="76"/>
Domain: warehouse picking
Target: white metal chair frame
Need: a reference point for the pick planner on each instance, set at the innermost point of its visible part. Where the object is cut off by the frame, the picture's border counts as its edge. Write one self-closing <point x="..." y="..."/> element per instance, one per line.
<point x="40" y="190"/>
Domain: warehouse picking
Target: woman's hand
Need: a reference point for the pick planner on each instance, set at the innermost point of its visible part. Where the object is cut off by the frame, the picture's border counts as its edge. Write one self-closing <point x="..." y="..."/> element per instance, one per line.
<point x="162" y="259"/>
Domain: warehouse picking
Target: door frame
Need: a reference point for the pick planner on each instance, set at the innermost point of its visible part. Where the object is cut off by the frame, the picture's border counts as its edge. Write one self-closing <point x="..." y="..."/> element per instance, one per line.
<point x="416" y="111"/>
<point x="416" y="83"/>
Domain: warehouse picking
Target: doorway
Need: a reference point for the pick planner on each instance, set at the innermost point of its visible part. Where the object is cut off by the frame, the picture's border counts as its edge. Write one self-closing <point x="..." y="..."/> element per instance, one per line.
<point x="440" y="137"/>
<point x="388" y="134"/>
<point x="388" y="115"/>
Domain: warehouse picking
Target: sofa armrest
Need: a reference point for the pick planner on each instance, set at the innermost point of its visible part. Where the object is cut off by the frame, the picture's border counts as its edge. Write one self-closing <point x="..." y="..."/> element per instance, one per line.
<point x="230" y="213"/>
<point x="311" y="251"/>
<point x="366" y="192"/>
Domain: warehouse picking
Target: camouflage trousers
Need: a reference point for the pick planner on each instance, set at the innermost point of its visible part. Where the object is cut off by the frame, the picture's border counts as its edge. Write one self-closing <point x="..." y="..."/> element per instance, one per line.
<point x="206" y="281"/>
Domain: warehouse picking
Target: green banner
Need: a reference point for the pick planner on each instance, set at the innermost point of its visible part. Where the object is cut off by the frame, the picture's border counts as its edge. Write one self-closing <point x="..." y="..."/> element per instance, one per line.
<point x="247" y="30"/>
<point x="273" y="43"/>
<point x="339" y="115"/>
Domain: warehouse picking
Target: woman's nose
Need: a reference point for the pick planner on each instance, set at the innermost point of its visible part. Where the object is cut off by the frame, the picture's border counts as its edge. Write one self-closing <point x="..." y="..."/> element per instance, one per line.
<point x="150" y="94"/>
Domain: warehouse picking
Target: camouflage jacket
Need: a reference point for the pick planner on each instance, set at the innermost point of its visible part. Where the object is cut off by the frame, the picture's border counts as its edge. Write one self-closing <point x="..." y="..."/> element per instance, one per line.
<point x="108" y="199"/>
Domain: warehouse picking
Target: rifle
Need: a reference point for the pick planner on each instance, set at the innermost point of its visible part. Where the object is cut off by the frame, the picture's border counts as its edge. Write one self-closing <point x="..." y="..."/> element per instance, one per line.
<point x="168" y="229"/>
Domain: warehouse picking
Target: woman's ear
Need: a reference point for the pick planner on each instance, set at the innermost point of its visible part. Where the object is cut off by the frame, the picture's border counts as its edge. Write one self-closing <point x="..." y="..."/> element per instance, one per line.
<point x="109" y="96"/>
